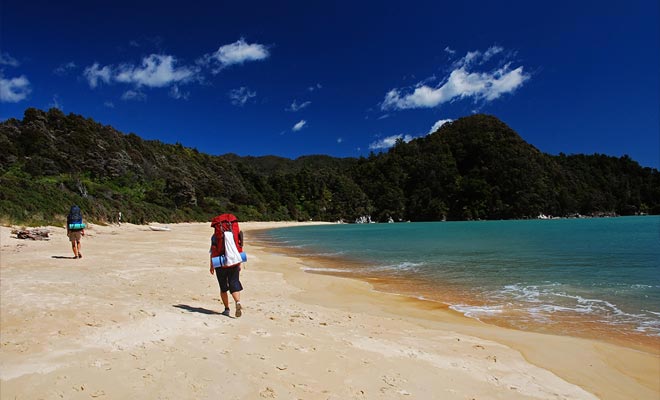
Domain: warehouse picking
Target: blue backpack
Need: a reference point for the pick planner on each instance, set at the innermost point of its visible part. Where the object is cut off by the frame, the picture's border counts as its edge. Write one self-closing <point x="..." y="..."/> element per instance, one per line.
<point x="74" y="220"/>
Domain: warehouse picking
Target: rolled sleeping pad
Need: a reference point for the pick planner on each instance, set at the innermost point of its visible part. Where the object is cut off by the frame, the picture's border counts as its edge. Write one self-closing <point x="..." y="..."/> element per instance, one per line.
<point x="220" y="261"/>
<point x="76" y="226"/>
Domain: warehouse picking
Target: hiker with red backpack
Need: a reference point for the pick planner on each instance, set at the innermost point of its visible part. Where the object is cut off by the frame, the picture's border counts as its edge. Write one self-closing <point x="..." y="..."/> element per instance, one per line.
<point x="226" y="257"/>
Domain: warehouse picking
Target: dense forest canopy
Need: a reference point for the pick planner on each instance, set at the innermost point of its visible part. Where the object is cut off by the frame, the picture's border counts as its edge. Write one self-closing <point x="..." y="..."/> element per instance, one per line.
<point x="473" y="168"/>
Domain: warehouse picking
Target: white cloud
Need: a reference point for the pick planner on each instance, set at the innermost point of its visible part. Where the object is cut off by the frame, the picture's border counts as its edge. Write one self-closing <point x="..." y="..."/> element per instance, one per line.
<point x="461" y="83"/>
<point x="387" y="142"/>
<point x="176" y="93"/>
<point x="295" y="106"/>
<point x="477" y="57"/>
<point x="241" y="95"/>
<point x="63" y="69"/>
<point x="449" y="50"/>
<point x="156" y="70"/>
<point x="339" y="140"/>
<point x="469" y="58"/>
<point x="56" y="103"/>
<point x="492" y="51"/>
<point x="438" y="124"/>
<point x="298" y="126"/>
<point x="505" y="81"/>
<point x="109" y="104"/>
<point x="6" y="59"/>
<point x="235" y="53"/>
<point x="134" y="95"/>
<point x="315" y="87"/>
<point x="93" y="74"/>
<point x="162" y="70"/>
<point x="15" y="89"/>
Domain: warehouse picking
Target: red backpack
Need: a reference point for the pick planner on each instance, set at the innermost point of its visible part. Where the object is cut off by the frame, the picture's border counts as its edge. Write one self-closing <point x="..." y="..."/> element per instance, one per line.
<point x="221" y="224"/>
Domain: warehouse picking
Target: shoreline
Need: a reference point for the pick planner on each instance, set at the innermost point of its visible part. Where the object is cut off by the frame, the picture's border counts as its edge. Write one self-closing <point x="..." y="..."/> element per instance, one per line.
<point x="141" y="308"/>
<point x="494" y="331"/>
<point x="346" y="267"/>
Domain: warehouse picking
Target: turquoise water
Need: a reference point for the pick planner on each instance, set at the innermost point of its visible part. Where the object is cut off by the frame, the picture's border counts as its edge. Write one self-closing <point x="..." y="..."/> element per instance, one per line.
<point x="564" y="272"/>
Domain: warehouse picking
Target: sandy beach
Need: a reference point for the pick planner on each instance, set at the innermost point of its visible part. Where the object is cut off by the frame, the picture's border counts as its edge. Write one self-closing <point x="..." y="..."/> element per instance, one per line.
<point x="139" y="317"/>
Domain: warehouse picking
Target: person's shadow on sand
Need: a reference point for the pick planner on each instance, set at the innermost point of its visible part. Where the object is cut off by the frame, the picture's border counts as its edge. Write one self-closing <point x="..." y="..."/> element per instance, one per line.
<point x="64" y="257"/>
<point x="196" y="309"/>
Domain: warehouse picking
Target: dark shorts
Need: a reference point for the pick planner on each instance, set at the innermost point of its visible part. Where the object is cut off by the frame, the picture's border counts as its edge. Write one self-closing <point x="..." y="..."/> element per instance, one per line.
<point x="228" y="279"/>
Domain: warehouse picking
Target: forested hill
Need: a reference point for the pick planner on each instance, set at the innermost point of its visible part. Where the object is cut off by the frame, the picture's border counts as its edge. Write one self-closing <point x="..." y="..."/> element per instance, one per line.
<point x="473" y="168"/>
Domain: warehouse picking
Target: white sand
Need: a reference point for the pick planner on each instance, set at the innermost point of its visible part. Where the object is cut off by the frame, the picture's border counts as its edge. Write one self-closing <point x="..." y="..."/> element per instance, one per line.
<point x="137" y="317"/>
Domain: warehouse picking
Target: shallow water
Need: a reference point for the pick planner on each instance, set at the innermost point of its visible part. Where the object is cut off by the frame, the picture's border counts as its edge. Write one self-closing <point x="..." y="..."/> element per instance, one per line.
<point x="572" y="276"/>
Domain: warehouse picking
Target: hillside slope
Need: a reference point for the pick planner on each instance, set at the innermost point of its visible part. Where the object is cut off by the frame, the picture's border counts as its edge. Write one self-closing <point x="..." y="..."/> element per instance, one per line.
<point x="473" y="168"/>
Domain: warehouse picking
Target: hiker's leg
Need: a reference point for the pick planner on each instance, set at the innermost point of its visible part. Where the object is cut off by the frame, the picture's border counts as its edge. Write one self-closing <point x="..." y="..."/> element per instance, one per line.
<point x="221" y="275"/>
<point x="74" y="244"/>
<point x="79" y="245"/>
<point x="225" y="299"/>
<point x="235" y="288"/>
<point x="237" y="299"/>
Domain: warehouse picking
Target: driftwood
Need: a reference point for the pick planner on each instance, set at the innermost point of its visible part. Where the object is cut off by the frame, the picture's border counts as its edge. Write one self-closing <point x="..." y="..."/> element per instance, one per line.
<point x="33" y="234"/>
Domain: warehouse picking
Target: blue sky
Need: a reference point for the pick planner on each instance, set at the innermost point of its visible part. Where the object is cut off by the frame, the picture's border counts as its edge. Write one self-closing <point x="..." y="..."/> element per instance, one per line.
<point x="341" y="78"/>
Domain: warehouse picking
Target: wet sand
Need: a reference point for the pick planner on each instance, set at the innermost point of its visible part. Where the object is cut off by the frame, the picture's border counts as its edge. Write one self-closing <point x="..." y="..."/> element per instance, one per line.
<point x="138" y="316"/>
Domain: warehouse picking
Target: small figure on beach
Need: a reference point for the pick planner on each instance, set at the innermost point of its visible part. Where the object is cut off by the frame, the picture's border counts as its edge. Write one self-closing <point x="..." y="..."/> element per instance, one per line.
<point x="75" y="230"/>
<point x="225" y="259"/>
<point x="119" y="218"/>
